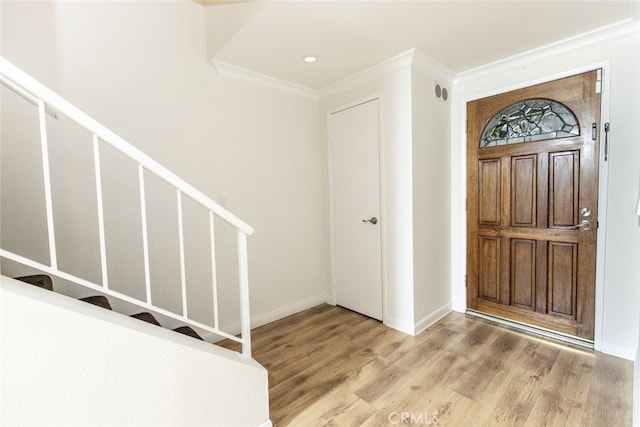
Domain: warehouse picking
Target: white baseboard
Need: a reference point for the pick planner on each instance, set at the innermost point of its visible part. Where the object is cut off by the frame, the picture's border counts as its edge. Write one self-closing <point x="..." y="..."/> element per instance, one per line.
<point x="264" y="318"/>
<point x="616" y="350"/>
<point x="415" y="329"/>
<point x="432" y="318"/>
<point x="266" y="424"/>
<point x="399" y="325"/>
<point x="297" y="307"/>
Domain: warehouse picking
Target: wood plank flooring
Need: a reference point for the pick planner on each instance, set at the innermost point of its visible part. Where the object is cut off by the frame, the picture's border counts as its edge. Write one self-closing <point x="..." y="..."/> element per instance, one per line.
<point x="329" y="366"/>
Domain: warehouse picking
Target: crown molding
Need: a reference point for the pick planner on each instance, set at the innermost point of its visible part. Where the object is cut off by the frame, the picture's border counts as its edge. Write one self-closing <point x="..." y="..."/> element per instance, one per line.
<point x="397" y="62"/>
<point x="231" y="71"/>
<point x="610" y="32"/>
<point x="433" y="67"/>
<point x="405" y="59"/>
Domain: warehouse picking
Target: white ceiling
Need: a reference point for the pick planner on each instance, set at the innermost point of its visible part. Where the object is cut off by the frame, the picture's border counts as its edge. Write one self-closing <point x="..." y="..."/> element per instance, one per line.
<point x="271" y="37"/>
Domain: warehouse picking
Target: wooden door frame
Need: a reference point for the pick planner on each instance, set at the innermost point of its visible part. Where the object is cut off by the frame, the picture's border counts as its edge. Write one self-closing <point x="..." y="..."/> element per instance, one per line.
<point x="460" y="213"/>
<point x="383" y="235"/>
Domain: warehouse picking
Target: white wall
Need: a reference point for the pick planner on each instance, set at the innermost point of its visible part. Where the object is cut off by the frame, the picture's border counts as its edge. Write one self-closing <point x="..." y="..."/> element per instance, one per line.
<point x="140" y="68"/>
<point x="77" y="364"/>
<point x="619" y="271"/>
<point x="431" y="196"/>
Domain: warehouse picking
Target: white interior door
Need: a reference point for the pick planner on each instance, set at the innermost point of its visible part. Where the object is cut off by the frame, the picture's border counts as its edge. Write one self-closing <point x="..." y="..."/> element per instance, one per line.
<point x="356" y="222"/>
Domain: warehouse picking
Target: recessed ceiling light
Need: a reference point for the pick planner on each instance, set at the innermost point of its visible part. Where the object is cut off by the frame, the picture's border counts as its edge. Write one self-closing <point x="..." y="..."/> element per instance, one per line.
<point x="310" y="59"/>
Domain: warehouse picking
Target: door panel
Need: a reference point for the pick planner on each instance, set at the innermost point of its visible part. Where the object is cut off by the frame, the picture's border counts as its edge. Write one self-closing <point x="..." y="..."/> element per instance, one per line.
<point x="563" y="262"/>
<point x="532" y="165"/>
<point x="524" y="191"/>
<point x="355" y="176"/>
<point x="489" y="273"/>
<point x="523" y="267"/>
<point x="563" y="189"/>
<point x="489" y="192"/>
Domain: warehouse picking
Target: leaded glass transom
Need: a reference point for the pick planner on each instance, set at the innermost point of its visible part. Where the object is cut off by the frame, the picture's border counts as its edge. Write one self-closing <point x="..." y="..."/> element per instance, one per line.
<point x="530" y="120"/>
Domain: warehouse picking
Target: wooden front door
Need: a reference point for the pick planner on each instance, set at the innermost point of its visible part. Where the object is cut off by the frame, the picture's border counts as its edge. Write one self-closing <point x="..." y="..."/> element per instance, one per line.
<point x="532" y="204"/>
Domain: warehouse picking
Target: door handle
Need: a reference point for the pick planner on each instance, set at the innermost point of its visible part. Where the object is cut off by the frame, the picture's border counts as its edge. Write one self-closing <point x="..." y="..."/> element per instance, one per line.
<point x="585" y="224"/>
<point x="373" y="220"/>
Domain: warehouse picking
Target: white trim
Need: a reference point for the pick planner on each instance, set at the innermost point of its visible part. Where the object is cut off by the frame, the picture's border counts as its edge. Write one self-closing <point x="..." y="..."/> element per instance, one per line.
<point x="618" y="351"/>
<point x="405" y="59"/>
<point x="399" y="325"/>
<point x="225" y="69"/>
<point x="533" y="82"/>
<point x="432" y="318"/>
<point x="267" y="423"/>
<point x="609" y="32"/>
<point x="383" y="205"/>
<point x="282" y="312"/>
<point x="433" y="67"/>
<point x="332" y="259"/>
<point x="603" y="195"/>
<point x="272" y="316"/>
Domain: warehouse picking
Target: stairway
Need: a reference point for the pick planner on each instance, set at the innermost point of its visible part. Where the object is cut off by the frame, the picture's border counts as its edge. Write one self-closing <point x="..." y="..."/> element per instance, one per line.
<point x="43" y="281"/>
<point x="97" y="138"/>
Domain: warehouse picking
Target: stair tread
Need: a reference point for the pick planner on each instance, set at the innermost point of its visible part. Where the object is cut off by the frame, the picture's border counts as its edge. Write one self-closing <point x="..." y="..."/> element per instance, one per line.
<point x="99" y="300"/>
<point x="44" y="281"/>
<point x="146" y="317"/>
<point x="186" y="330"/>
<point x="40" y="280"/>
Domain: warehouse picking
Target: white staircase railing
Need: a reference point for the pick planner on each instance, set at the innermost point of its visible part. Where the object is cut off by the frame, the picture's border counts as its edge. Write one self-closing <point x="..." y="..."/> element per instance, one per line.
<point x="42" y="97"/>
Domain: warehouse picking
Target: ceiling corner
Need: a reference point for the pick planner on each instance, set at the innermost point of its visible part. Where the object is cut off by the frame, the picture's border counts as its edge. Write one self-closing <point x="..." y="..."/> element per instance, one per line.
<point x="431" y="66"/>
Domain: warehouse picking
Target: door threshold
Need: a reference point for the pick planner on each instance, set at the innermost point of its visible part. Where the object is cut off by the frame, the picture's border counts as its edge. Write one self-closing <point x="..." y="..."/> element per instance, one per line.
<point x="534" y="330"/>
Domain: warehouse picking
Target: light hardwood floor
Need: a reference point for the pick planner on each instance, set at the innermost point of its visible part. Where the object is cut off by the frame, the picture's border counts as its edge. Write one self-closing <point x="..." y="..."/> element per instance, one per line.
<point x="332" y="367"/>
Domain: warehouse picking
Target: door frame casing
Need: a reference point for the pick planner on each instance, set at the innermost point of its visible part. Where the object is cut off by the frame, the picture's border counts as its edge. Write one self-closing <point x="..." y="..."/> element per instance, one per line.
<point x="381" y="176"/>
<point x="459" y="289"/>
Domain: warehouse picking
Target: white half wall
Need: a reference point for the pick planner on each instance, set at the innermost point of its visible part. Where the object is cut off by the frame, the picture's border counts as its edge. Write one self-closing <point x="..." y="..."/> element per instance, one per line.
<point x="66" y="362"/>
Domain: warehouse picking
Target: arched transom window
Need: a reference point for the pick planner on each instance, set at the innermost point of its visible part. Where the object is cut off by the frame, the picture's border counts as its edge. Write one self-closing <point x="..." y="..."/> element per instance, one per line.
<point x="530" y="120"/>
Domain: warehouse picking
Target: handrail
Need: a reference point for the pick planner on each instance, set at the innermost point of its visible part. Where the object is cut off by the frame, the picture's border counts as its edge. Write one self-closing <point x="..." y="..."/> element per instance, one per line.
<point x="42" y="97"/>
<point x="14" y="74"/>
